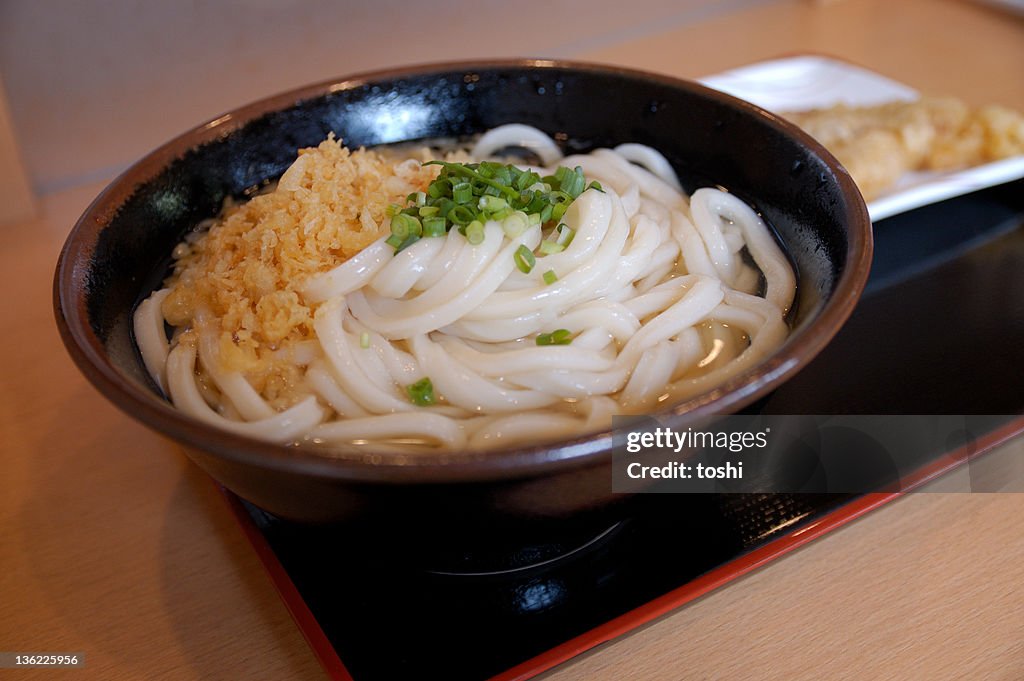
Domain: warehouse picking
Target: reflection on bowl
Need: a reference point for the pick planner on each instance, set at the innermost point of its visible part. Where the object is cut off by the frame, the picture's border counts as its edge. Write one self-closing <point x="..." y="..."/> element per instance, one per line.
<point x="118" y="253"/>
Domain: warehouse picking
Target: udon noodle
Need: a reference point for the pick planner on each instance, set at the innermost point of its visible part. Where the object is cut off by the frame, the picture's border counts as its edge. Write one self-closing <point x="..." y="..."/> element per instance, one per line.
<point x="657" y="297"/>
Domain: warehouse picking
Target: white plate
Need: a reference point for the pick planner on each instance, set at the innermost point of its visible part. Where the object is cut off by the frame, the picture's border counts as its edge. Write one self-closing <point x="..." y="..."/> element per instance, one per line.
<point x="810" y="82"/>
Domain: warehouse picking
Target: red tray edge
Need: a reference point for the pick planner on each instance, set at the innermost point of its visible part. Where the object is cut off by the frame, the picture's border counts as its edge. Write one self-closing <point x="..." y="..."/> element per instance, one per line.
<point x="628" y="621"/>
<point x="286" y="589"/>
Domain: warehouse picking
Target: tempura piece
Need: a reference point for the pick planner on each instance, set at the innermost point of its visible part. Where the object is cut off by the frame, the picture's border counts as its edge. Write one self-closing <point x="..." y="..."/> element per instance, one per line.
<point x="879" y="144"/>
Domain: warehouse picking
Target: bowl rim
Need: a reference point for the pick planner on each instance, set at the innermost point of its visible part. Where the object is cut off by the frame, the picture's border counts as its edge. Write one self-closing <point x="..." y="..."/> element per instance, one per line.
<point x="592" y="449"/>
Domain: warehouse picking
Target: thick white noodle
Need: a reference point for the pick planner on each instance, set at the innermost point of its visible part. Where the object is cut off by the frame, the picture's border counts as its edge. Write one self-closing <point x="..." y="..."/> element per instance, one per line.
<point x="320" y="379"/>
<point x="350" y="275"/>
<point x="517" y="135"/>
<point x="284" y="427"/>
<point x="241" y="395"/>
<point x="403" y="271"/>
<point x="469" y="390"/>
<point x="151" y="337"/>
<point x="426" y="312"/>
<point x="766" y="253"/>
<point x="652" y="160"/>
<point x="655" y="289"/>
<point x="422" y="427"/>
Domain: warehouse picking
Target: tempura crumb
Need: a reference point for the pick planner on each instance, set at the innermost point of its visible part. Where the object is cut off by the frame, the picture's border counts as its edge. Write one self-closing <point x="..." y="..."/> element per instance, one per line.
<point x="246" y="271"/>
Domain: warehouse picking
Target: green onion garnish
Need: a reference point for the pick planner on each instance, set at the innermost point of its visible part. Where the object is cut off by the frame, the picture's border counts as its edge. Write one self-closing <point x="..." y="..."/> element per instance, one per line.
<point x="403" y="226"/>
<point x="550" y="277"/>
<point x="574" y="182"/>
<point x="364" y="340"/>
<point x="461" y="215"/>
<point x="548" y="247"/>
<point x="421" y="393"/>
<point x="515" y="224"/>
<point x="525" y="259"/>
<point x="558" y="210"/>
<point x="565" y="235"/>
<point x="475" y="232"/>
<point x="464" y="193"/>
<point x="557" y="337"/>
<point x="409" y="241"/>
<point x="433" y="226"/>
<point x="492" y="204"/>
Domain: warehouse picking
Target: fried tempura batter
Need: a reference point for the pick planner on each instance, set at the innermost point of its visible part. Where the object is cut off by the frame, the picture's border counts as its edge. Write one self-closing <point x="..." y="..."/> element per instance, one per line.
<point x="878" y="144"/>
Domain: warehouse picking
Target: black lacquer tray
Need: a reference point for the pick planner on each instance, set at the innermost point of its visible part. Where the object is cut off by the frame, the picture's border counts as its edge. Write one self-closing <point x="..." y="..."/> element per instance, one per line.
<point x="940" y="330"/>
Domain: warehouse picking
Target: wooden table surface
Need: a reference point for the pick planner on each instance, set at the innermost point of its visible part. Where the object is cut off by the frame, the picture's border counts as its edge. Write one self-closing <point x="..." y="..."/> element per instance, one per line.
<point x="112" y="544"/>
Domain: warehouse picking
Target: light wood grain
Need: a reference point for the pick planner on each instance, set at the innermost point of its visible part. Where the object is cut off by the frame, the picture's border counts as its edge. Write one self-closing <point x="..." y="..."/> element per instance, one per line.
<point x="112" y="544"/>
<point x="17" y="200"/>
<point x="928" y="588"/>
<point x="940" y="47"/>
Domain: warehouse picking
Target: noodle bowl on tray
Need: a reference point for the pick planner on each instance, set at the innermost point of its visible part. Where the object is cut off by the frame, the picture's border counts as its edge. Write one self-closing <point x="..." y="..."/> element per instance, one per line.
<point x="438" y="336"/>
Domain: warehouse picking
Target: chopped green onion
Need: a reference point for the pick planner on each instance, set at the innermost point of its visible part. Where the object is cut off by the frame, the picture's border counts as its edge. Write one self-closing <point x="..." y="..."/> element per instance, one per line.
<point x="501" y="214"/>
<point x="475" y="232"/>
<point x="548" y="247"/>
<point x="574" y="182"/>
<point x="596" y="185"/>
<point x="462" y="192"/>
<point x="558" y="337"/>
<point x="515" y="224"/>
<point x="461" y="215"/>
<point x="536" y="203"/>
<point x="434" y="226"/>
<point x="561" y="337"/>
<point x="409" y="241"/>
<point x="558" y="210"/>
<point x="421" y="393"/>
<point x="446" y="205"/>
<point x="467" y="170"/>
<point x="550" y="277"/>
<point x="364" y="340"/>
<point x="402" y="226"/>
<point x="525" y="259"/>
<point x="527" y="179"/>
<point x="438" y="188"/>
<point x="565" y="235"/>
<point x="492" y="203"/>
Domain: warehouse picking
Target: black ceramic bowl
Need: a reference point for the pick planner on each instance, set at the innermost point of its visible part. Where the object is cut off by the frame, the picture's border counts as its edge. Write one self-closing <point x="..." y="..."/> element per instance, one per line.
<point x="118" y="251"/>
